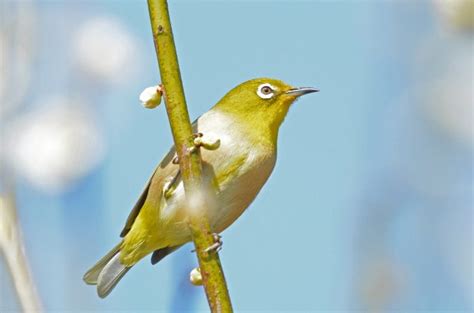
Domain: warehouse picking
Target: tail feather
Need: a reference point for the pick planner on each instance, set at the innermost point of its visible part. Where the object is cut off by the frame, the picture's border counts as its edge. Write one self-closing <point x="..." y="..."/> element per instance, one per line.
<point x="107" y="272"/>
<point x="92" y="274"/>
<point x="110" y="276"/>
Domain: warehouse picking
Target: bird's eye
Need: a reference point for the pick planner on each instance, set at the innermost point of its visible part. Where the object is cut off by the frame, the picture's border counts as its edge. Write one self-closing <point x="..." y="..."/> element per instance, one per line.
<point x="265" y="91"/>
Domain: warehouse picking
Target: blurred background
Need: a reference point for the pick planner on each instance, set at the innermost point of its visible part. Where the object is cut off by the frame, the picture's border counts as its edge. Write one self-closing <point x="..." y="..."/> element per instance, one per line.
<point x="375" y="215"/>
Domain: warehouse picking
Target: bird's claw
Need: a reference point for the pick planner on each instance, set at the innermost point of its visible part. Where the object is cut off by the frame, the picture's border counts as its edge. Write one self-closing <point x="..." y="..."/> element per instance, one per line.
<point x="167" y="190"/>
<point x="170" y="185"/>
<point x="208" y="142"/>
<point x="217" y="245"/>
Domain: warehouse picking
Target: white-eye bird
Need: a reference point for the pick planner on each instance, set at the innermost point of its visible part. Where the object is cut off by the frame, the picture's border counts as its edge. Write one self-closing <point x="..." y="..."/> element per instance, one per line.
<point x="246" y="121"/>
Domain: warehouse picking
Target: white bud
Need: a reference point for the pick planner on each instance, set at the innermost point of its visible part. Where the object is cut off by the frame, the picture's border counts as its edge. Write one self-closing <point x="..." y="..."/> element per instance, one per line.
<point x="195" y="277"/>
<point x="208" y="141"/>
<point x="151" y="97"/>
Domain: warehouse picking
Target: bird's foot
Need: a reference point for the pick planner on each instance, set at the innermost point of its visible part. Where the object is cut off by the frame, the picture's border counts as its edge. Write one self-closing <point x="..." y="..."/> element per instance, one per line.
<point x="170" y="185"/>
<point x="217" y="245"/>
<point x="167" y="190"/>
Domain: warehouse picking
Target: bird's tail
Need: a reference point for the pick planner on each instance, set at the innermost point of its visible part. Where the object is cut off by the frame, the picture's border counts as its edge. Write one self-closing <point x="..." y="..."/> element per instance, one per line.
<point x="107" y="272"/>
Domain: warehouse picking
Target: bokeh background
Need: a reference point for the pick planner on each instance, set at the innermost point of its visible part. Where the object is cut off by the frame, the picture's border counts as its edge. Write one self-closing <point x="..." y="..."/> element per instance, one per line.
<point x="370" y="207"/>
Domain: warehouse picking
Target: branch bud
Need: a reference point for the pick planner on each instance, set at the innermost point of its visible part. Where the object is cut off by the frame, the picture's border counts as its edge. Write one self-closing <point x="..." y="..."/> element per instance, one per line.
<point x="207" y="141"/>
<point x="151" y="96"/>
<point x="195" y="277"/>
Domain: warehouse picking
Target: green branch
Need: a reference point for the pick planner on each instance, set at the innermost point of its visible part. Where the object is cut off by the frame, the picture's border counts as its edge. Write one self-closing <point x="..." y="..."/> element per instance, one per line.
<point x="189" y="159"/>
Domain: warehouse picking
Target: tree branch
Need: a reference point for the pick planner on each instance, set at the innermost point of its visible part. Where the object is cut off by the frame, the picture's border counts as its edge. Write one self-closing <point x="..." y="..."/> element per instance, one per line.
<point x="189" y="159"/>
<point x="11" y="246"/>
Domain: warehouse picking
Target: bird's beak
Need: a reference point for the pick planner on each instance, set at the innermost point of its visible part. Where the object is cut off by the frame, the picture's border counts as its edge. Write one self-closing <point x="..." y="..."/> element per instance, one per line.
<point x="300" y="91"/>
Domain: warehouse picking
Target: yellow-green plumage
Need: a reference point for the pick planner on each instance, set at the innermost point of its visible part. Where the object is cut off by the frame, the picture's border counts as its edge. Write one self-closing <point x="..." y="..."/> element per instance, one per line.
<point x="246" y="120"/>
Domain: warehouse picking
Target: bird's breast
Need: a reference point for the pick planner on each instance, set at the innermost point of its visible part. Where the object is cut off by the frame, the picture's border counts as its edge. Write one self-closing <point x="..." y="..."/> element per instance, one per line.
<point x="237" y="171"/>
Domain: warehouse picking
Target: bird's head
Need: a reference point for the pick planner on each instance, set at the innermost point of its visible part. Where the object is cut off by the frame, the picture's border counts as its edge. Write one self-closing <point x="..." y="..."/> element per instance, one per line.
<point x="261" y="103"/>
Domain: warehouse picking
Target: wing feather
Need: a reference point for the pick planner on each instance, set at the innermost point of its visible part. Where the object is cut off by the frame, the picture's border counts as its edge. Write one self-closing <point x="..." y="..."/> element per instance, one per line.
<point x="166" y="166"/>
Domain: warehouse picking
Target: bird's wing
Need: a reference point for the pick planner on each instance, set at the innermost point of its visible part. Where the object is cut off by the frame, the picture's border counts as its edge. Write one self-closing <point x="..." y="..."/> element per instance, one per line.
<point x="165" y="168"/>
<point x="136" y="209"/>
<point x="159" y="254"/>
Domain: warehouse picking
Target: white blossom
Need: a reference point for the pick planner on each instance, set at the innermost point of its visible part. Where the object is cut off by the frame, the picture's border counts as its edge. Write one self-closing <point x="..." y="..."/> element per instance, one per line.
<point x="105" y="49"/>
<point x="54" y="147"/>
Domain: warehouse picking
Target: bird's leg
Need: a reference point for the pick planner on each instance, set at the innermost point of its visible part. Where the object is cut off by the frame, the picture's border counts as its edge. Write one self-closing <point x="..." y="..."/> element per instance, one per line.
<point x="193" y="149"/>
<point x="208" y="141"/>
<point x="217" y="245"/>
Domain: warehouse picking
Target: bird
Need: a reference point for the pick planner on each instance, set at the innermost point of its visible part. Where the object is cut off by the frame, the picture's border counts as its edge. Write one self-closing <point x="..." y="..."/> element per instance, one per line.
<point x="246" y="122"/>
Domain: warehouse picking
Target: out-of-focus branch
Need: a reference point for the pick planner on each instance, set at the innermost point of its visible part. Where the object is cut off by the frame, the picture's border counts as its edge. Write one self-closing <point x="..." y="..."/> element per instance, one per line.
<point x="189" y="159"/>
<point x="17" y="30"/>
<point x="11" y="246"/>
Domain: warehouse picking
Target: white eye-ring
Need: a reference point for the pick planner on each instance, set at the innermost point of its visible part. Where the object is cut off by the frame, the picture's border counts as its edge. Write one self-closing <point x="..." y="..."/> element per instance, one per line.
<point x="266" y="91"/>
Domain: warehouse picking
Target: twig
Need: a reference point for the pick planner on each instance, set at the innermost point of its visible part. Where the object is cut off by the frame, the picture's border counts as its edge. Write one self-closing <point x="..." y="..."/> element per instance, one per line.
<point x="11" y="246"/>
<point x="189" y="159"/>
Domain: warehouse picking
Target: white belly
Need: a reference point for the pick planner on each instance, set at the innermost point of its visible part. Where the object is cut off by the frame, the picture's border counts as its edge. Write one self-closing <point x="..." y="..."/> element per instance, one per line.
<point x="235" y="189"/>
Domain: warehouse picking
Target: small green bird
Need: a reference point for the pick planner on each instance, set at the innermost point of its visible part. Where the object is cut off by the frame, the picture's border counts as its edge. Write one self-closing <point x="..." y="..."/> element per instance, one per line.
<point x="246" y="121"/>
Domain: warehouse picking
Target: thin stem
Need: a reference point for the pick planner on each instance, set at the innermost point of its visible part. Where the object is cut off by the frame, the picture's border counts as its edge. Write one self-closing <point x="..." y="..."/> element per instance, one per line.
<point x="11" y="246"/>
<point x="190" y="162"/>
